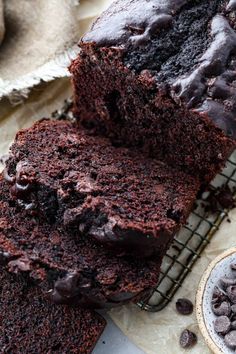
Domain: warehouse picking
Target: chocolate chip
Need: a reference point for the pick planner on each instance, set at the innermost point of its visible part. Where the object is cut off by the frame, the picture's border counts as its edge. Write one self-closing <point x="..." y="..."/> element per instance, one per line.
<point x="55" y="297"/>
<point x="221" y="309"/>
<point x="225" y="282"/>
<point x="187" y="339"/>
<point x="184" y="306"/>
<point x="218" y="295"/>
<point x="233" y="266"/>
<point x="220" y="198"/>
<point x="230" y="339"/>
<point x="231" y="292"/>
<point x="222" y="325"/>
<point x="67" y="286"/>
<point x="4" y="257"/>
<point x="174" y="214"/>
<point x="233" y="325"/>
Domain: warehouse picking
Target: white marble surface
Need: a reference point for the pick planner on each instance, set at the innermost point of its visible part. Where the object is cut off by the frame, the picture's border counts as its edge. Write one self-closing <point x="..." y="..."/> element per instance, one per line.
<point x="114" y="341"/>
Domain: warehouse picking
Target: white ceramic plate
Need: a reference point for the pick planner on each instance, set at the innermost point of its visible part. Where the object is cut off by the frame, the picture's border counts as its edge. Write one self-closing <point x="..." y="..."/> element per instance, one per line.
<point x="217" y="269"/>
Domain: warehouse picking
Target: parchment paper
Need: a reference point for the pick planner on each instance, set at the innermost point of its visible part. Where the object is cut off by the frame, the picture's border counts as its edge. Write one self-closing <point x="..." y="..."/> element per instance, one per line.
<point x="154" y="332"/>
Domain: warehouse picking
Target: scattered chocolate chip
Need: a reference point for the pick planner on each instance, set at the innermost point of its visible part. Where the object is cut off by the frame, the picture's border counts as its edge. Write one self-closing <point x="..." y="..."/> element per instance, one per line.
<point x="187" y="339"/>
<point x="184" y="306"/>
<point x="225" y="197"/>
<point x="230" y="339"/>
<point x="231" y="292"/>
<point x="220" y="198"/>
<point x="221" y="309"/>
<point x="222" y="325"/>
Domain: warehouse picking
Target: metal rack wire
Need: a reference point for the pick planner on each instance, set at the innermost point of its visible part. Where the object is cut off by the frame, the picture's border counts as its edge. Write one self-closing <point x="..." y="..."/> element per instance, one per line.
<point x="189" y="243"/>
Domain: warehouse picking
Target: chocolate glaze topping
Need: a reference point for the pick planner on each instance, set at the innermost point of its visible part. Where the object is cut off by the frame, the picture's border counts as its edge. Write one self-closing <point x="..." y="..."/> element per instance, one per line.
<point x="199" y="69"/>
<point x="213" y="62"/>
<point x="211" y="87"/>
<point x="143" y="19"/>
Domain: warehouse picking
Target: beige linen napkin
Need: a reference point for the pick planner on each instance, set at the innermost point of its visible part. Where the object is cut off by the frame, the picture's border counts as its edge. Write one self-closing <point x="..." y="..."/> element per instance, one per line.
<point x="40" y="40"/>
<point x="38" y="44"/>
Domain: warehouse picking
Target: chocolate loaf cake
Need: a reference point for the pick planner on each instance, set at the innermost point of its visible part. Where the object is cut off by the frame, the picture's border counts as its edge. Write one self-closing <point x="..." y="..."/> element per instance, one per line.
<point x="67" y="267"/>
<point x="160" y="75"/>
<point x="31" y="325"/>
<point x="116" y="196"/>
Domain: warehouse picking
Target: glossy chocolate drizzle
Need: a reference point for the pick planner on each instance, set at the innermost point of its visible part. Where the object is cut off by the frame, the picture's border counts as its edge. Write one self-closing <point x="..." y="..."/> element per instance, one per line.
<point x="211" y="87"/>
<point x="135" y="22"/>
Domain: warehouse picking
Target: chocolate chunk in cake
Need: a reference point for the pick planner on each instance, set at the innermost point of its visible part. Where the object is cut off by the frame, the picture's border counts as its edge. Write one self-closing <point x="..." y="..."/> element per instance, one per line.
<point x="67" y="267"/>
<point x="116" y="196"/>
<point x="160" y="75"/>
<point x="30" y="324"/>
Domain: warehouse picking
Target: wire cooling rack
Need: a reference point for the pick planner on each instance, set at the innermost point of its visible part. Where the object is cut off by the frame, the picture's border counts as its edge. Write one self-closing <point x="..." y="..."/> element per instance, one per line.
<point x="190" y="242"/>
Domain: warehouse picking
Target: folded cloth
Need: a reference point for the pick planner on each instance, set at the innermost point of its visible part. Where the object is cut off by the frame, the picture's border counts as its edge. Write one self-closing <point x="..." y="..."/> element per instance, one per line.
<point x="40" y="41"/>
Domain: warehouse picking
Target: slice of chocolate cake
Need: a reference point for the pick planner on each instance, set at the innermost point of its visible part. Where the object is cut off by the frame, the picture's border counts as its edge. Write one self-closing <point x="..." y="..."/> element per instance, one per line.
<point x="160" y="75"/>
<point x="31" y="325"/>
<point x="67" y="267"/>
<point x="117" y="196"/>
